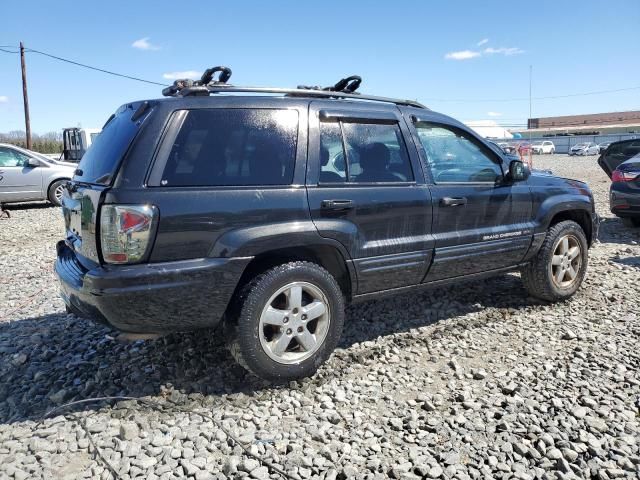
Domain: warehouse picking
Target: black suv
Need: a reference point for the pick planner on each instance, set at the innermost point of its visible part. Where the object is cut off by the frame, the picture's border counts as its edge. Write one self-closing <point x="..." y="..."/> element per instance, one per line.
<point x="267" y="210"/>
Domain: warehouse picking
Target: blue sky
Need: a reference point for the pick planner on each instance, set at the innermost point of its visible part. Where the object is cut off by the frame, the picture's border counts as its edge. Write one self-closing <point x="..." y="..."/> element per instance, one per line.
<point x="434" y="52"/>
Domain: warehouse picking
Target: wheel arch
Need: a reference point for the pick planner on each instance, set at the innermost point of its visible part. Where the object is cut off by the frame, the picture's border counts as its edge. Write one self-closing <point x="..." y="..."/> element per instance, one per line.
<point x="325" y="255"/>
<point x="47" y="192"/>
<point x="581" y="216"/>
<point x="54" y="180"/>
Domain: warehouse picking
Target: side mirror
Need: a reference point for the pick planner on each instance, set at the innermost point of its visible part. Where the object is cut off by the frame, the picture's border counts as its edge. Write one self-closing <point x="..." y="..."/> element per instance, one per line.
<point x="32" y="162"/>
<point x="518" y="171"/>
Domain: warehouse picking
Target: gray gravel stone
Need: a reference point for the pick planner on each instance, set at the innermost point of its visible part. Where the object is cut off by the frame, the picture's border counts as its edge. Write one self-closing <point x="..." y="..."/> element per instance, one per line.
<point x="129" y="431"/>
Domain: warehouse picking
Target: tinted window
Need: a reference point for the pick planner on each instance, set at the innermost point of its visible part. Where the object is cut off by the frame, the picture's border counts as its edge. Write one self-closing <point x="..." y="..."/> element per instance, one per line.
<point x="100" y="162"/>
<point x="374" y="153"/>
<point x="332" y="162"/>
<point x="453" y="156"/>
<point x="623" y="150"/>
<point x="233" y="147"/>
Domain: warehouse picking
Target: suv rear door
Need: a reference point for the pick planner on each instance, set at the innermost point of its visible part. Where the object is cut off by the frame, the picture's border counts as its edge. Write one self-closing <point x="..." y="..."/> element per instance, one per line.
<point x="480" y="223"/>
<point x="366" y="189"/>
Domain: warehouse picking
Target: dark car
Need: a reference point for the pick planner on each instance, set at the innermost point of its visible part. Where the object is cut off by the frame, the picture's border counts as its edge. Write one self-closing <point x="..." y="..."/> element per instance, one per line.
<point x="267" y="210"/>
<point x="621" y="162"/>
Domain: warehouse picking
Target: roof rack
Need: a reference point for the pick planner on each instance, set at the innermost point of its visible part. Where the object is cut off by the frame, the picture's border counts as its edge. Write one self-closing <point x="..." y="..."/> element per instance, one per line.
<point x="344" y="88"/>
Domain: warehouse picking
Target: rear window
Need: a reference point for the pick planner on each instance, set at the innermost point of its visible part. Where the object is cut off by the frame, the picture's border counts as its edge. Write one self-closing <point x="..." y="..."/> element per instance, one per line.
<point x="233" y="147"/>
<point x="100" y="162"/>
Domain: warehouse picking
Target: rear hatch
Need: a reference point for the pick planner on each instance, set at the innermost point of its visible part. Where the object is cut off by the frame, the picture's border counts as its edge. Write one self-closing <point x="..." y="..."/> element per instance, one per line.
<point x="94" y="175"/>
<point x="617" y="153"/>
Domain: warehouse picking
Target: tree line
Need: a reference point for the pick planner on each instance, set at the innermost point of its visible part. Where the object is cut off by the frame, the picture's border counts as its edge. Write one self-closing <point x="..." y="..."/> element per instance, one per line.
<point x="50" y="142"/>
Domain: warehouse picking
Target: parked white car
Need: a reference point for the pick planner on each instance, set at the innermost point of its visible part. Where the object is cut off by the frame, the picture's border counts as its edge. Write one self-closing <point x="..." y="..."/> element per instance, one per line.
<point x="28" y="176"/>
<point x="585" y="148"/>
<point x="544" y="147"/>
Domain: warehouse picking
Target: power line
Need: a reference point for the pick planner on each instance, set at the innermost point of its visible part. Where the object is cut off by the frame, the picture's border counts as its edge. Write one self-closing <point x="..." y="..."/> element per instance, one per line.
<point x="7" y="51"/>
<point x="95" y="68"/>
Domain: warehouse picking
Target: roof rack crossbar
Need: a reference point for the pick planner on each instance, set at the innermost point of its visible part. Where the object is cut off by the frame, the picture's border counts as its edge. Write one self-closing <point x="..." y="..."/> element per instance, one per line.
<point x="295" y="92"/>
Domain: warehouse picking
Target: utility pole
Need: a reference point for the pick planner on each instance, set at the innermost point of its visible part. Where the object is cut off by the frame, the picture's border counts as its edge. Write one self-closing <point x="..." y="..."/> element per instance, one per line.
<point x="25" y="97"/>
<point x="530" y="122"/>
<point x="530" y="73"/>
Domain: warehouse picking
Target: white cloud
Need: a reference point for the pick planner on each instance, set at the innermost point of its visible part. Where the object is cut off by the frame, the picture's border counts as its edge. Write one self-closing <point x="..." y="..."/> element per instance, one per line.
<point x="4" y="99"/>
<point x="482" y="42"/>
<point x="508" y="51"/>
<point x="494" y="114"/>
<point x="192" y="74"/>
<point x="462" y="55"/>
<point x="144" y="44"/>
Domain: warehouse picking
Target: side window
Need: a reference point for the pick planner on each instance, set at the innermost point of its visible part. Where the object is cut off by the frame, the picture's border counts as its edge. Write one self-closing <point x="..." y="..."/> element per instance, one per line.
<point x="454" y="157"/>
<point x="233" y="147"/>
<point x="333" y="167"/>
<point x="11" y="158"/>
<point x="375" y="152"/>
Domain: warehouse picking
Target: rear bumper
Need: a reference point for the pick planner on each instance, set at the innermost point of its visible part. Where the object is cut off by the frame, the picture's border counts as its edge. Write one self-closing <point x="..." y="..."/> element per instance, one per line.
<point x="624" y="201"/>
<point x="150" y="298"/>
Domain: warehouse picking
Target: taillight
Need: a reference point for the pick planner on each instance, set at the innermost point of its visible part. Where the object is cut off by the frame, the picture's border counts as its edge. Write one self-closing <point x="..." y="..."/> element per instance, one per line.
<point x="125" y="232"/>
<point x="622" y="176"/>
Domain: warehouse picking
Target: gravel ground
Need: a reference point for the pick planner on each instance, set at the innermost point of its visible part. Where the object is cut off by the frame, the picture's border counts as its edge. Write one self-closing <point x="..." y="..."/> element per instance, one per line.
<point x="472" y="382"/>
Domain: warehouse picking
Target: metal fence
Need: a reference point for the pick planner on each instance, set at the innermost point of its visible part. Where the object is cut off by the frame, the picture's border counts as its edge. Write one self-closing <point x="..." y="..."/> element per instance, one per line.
<point x="563" y="144"/>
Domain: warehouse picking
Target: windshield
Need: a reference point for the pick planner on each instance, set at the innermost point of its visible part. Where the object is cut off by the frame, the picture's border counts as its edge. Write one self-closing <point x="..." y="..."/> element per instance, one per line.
<point x="101" y="161"/>
<point x="39" y="156"/>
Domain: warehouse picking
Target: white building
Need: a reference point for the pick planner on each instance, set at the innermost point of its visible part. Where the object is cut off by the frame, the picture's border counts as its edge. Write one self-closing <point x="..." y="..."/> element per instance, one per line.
<point x="489" y="129"/>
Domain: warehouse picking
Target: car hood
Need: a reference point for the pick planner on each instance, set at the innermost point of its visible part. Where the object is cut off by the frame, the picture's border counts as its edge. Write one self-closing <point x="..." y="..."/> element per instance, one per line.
<point x="57" y="163"/>
<point x="546" y="179"/>
<point x="541" y="172"/>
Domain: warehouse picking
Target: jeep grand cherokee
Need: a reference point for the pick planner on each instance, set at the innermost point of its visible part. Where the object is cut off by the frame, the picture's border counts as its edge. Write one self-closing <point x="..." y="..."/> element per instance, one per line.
<point x="266" y="210"/>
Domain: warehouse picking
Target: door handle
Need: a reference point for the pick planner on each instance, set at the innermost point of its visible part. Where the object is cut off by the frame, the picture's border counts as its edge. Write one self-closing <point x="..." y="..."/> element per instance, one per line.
<point x="337" y="204"/>
<point x="453" y="201"/>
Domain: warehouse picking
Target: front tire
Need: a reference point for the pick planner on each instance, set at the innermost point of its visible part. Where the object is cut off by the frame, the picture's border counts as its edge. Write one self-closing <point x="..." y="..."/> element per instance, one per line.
<point x="558" y="269"/>
<point x="290" y="321"/>
<point x="54" y="194"/>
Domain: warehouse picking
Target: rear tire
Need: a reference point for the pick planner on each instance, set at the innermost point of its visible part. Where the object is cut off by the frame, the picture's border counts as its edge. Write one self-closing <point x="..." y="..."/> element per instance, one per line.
<point x="54" y="193"/>
<point x="289" y="321"/>
<point x="558" y="269"/>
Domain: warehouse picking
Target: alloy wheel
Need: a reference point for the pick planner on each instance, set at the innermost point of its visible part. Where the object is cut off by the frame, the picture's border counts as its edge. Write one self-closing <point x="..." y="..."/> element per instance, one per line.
<point x="294" y="323"/>
<point x="58" y="192"/>
<point x="566" y="261"/>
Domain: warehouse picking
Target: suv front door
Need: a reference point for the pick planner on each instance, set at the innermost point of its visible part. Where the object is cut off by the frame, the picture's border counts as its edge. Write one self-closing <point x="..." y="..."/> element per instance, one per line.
<point x="481" y="223"/>
<point x="366" y="190"/>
